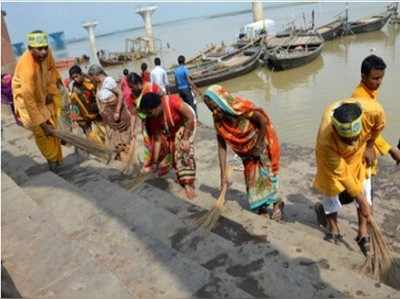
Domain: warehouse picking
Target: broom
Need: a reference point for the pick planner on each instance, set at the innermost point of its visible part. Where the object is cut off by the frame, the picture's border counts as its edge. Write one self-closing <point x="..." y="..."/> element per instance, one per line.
<point x="380" y="263"/>
<point x="210" y="219"/>
<point x="93" y="148"/>
<point x="132" y="159"/>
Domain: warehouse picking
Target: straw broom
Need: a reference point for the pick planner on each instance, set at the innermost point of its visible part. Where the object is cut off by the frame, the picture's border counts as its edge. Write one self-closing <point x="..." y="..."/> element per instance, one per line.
<point x="210" y="219"/>
<point x="380" y="263"/>
<point x="132" y="159"/>
<point x="91" y="147"/>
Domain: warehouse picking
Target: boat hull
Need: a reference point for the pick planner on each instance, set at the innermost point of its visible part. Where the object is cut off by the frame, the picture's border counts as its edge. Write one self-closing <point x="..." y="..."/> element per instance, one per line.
<point x="276" y="63"/>
<point x="334" y="33"/>
<point x="216" y="71"/>
<point x="229" y="73"/>
<point x="358" y="27"/>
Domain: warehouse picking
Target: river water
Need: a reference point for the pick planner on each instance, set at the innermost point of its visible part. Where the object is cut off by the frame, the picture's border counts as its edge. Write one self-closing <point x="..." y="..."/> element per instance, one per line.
<point x="294" y="99"/>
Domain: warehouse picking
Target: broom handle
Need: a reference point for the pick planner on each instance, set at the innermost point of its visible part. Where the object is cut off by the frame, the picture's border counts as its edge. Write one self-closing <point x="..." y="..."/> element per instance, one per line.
<point x="58" y="133"/>
<point x="372" y="190"/>
<point x="228" y="172"/>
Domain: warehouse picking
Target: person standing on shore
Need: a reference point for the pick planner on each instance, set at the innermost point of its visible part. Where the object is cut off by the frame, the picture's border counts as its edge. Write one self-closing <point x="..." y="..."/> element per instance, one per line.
<point x="35" y="89"/>
<point x="372" y="73"/>
<point x="159" y="75"/>
<point x="184" y="83"/>
<point x="344" y="152"/>
<point x="249" y="131"/>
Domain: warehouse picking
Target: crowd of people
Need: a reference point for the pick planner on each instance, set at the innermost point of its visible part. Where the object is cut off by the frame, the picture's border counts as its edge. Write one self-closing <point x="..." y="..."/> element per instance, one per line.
<point x="110" y="112"/>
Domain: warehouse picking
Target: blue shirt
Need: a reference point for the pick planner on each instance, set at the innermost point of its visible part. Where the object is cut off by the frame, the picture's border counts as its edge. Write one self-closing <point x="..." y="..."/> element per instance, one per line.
<point x="181" y="77"/>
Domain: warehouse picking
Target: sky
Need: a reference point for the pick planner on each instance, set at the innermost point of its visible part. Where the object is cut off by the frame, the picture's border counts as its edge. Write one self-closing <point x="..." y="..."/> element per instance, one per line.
<point x="23" y="17"/>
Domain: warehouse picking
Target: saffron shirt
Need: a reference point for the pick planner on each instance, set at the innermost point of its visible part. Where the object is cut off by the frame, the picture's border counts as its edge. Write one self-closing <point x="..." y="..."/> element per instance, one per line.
<point x="340" y="166"/>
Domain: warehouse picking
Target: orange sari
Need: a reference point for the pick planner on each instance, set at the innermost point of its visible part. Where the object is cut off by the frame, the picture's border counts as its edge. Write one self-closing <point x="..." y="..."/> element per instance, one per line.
<point x="241" y="134"/>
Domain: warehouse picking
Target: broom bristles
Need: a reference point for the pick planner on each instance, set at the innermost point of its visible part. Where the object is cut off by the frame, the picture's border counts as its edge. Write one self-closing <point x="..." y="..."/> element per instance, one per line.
<point x="380" y="262"/>
<point x="210" y="219"/>
<point x="84" y="144"/>
<point x="139" y="180"/>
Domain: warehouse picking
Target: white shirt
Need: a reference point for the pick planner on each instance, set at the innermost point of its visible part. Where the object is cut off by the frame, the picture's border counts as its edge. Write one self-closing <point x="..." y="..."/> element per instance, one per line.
<point x="159" y="76"/>
<point x="105" y="92"/>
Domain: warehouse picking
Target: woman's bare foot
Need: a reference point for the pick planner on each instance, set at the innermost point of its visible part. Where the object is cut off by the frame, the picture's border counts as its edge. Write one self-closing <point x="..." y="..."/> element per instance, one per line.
<point x="277" y="211"/>
<point x="189" y="192"/>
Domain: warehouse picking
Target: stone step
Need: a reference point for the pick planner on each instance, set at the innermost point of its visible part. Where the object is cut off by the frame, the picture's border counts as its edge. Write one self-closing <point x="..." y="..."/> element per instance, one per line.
<point x="41" y="260"/>
<point x="143" y="215"/>
<point x="120" y="241"/>
<point x="244" y="256"/>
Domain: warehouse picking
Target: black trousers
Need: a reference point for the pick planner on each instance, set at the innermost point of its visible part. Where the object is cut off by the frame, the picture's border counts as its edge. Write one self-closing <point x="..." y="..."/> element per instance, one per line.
<point x="187" y="97"/>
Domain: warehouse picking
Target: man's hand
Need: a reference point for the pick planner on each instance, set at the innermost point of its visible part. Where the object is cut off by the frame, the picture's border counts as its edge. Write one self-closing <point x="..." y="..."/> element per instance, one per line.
<point x="364" y="207"/>
<point x="49" y="99"/>
<point x="395" y="154"/>
<point x="369" y="156"/>
<point x="47" y="128"/>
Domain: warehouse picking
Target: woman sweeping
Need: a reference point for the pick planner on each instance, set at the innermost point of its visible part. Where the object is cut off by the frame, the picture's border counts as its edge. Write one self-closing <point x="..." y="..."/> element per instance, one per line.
<point x="169" y="125"/>
<point x="114" y="114"/>
<point x="249" y="131"/>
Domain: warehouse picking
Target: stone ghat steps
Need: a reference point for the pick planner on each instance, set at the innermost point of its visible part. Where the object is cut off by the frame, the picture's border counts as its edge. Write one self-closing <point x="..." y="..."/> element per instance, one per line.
<point x="230" y="248"/>
<point x="139" y="262"/>
<point x="230" y="261"/>
<point x="41" y="260"/>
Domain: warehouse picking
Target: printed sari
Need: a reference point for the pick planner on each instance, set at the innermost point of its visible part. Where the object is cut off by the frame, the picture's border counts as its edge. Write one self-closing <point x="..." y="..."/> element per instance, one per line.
<point x="164" y="135"/>
<point x="84" y="111"/>
<point x="241" y="134"/>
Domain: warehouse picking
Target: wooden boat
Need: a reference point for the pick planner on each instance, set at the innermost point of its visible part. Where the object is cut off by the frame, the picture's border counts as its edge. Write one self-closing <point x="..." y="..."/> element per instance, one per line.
<point x="112" y="58"/>
<point x="288" y="52"/>
<point x="368" y="24"/>
<point x="110" y="62"/>
<point x="65" y="63"/>
<point x="201" y="55"/>
<point x="332" y="30"/>
<point x="227" y="67"/>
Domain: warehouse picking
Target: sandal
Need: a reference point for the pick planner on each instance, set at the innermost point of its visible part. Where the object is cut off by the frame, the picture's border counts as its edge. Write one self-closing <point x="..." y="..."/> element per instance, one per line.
<point x="333" y="238"/>
<point x="277" y="215"/>
<point x="321" y="216"/>
<point x="364" y="244"/>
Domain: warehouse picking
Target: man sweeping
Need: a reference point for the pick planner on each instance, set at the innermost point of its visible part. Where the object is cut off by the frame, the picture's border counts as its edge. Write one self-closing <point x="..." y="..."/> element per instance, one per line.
<point x="35" y="89"/>
<point x="344" y="151"/>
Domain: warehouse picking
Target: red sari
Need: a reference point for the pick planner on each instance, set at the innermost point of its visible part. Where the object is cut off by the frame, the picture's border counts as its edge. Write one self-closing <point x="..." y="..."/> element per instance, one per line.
<point x="166" y="132"/>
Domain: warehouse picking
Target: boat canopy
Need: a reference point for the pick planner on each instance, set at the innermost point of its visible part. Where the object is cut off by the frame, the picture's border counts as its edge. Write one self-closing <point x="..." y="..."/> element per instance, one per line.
<point x="254" y="29"/>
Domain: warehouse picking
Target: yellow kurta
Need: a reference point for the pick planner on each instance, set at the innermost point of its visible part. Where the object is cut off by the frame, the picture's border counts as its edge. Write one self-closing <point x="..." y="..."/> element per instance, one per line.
<point x="339" y="166"/>
<point x="32" y="82"/>
<point x="361" y="91"/>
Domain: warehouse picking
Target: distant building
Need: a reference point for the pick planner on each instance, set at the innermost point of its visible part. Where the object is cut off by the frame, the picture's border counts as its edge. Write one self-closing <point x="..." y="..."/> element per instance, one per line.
<point x="8" y="60"/>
